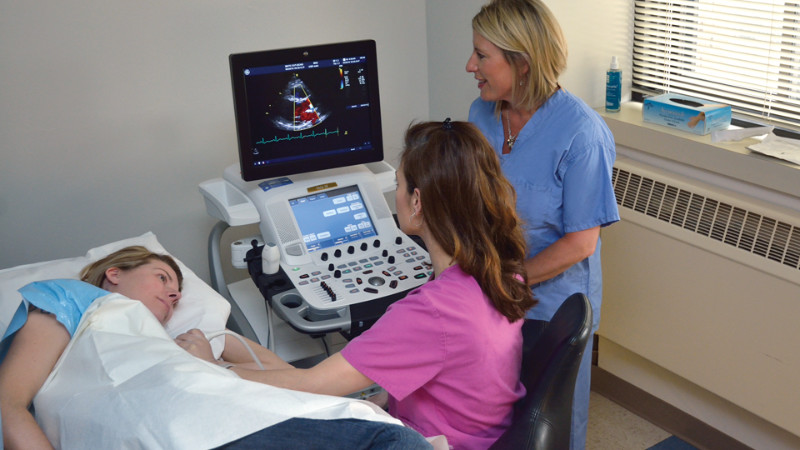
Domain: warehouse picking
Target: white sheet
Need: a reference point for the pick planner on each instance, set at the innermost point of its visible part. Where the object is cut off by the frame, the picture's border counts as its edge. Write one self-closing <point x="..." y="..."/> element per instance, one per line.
<point x="123" y="383"/>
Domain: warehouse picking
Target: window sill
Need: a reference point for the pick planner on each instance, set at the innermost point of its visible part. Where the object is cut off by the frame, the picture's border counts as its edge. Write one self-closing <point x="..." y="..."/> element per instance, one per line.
<point x="720" y="161"/>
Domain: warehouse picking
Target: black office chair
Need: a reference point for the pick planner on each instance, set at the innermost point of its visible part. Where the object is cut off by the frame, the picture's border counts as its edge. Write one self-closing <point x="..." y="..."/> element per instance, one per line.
<point x="542" y="419"/>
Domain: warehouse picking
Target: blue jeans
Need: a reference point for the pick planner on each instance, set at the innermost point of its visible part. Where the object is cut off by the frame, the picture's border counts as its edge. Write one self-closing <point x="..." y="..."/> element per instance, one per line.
<point x="344" y="434"/>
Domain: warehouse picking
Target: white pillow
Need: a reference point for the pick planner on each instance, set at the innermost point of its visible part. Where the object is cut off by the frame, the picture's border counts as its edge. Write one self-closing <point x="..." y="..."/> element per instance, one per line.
<point x="200" y="306"/>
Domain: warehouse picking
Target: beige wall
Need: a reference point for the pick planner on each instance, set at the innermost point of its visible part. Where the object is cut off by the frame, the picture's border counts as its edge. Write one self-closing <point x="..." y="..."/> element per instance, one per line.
<point x="595" y="31"/>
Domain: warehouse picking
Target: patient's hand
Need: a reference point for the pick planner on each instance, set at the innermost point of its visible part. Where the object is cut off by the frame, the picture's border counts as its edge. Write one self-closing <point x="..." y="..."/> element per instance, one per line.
<point x="195" y="342"/>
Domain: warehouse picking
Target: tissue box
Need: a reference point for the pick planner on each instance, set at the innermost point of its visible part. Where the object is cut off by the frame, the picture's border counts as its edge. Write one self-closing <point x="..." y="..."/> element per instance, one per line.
<point x="686" y="113"/>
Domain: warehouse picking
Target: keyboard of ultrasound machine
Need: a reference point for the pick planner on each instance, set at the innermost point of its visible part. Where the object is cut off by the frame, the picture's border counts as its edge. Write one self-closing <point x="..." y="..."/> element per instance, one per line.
<point x="358" y="272"/>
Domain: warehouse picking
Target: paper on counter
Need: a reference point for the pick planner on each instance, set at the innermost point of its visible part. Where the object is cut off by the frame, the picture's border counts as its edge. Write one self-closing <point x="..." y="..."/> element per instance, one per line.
<point x="779" y="147"/>
<point x="739" y="133"/>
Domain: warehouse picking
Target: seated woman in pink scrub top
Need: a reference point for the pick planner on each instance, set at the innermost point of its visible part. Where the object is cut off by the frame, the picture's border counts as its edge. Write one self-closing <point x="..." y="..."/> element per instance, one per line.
<point x="449" y="353"/>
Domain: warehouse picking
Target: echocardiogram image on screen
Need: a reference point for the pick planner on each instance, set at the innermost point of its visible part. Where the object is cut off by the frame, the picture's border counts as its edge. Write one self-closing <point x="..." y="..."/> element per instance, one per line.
<point x="294" y="109"/>
<point x="305" y="109"/>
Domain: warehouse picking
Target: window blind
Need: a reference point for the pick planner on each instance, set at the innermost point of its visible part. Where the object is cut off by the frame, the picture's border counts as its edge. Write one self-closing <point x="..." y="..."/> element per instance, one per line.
<point x="745" y="53"/>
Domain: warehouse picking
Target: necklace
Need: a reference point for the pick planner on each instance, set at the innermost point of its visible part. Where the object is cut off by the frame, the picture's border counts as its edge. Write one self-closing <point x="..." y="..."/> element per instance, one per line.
<point x="511" y="138"/>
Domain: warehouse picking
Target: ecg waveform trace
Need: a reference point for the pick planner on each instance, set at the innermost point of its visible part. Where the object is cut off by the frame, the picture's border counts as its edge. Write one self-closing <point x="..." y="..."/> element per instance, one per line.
<point x="301" y="136"/>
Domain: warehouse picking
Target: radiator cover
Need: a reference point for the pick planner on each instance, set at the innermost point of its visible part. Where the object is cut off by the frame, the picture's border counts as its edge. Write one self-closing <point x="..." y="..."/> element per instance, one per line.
<point x="705" y="282"/>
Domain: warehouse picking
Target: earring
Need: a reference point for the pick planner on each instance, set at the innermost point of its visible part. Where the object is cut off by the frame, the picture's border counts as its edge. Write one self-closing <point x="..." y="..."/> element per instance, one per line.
<point x="411" y="220"/>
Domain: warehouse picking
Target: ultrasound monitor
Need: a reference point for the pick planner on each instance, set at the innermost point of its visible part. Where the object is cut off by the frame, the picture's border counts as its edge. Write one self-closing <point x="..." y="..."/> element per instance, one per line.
<point x="306" y="109"/>
<point x="311" y="174"/>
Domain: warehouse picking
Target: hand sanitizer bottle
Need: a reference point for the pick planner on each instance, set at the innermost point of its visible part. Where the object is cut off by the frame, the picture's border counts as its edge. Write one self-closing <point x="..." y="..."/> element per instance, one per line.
<point x="613" y="86"/>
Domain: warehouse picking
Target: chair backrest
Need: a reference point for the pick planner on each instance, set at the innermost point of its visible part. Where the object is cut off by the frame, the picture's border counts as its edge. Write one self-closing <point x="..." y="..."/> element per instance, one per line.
<point x="543" y="418"/>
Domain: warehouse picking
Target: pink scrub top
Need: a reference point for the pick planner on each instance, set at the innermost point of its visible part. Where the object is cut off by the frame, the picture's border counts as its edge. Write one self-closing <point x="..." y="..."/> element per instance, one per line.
<point x="449" y="361"/>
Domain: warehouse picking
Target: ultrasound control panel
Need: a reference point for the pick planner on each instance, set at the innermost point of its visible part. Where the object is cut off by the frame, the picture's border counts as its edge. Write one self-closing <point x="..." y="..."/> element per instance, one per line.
<point x="359" y="272"/>
<point x="339" y="245"/>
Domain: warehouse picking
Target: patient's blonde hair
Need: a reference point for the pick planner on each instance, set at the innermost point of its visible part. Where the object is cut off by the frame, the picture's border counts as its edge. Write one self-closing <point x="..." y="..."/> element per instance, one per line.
<point x="126" y="259"/>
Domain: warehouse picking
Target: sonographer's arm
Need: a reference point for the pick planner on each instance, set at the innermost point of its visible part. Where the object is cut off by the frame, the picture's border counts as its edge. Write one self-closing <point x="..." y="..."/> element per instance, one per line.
<point x="333" y="376"/>
<point x="235" y="352"/>
<point x="195" y="342"/>
<point x="562" y="254"/>
<point x="33" y="354"/>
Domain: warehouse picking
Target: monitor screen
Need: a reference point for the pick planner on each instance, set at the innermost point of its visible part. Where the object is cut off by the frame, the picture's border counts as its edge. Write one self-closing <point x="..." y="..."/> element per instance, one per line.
<point x="333" y="217"/>
<point x="305" y="109"/>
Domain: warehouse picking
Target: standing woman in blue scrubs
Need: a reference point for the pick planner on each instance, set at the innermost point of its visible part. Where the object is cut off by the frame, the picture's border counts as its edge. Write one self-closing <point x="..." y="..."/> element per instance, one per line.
<point x="556" y="151"/>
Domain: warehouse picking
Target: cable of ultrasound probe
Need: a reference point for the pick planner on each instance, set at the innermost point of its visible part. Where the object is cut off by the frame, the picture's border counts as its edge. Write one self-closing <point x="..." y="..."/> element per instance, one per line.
<point x="212" y="335"/>
<point x="271" y="335"/>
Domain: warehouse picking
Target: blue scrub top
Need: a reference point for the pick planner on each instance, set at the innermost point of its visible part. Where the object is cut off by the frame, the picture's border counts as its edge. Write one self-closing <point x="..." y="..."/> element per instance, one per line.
<point x="561" y="168"/>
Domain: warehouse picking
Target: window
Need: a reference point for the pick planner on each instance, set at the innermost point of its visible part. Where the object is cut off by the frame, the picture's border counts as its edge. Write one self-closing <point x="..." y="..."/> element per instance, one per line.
<point x="745" y="53"/>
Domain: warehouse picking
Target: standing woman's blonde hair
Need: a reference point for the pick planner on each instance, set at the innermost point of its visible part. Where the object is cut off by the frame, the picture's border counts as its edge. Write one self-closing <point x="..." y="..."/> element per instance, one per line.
<point x="126" y="259"/>
<point x="470" y="208"/>
<point x="528" y="34"/>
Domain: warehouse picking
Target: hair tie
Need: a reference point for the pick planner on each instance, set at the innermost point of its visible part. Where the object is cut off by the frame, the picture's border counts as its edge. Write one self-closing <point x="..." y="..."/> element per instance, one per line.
<point x="447" y="124"/>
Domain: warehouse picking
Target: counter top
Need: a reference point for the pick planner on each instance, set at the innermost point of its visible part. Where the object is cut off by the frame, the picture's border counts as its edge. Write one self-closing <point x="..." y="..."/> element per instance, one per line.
<point x="704" y="158"/>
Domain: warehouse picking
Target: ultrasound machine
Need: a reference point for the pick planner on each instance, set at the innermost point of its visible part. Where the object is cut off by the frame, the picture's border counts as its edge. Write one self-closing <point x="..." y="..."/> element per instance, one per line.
<point x="330" y="257"/>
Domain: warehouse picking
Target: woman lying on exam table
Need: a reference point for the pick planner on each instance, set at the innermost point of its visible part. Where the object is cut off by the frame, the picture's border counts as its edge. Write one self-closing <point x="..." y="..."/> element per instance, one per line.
<point x="449" y="353"/>
<point x="115" y="273"/>
<point x="155" y="280"/>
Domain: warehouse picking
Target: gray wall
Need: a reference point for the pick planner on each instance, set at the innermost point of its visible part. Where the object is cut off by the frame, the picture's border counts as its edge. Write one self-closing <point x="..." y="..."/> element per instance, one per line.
<point x="112" y="111"/>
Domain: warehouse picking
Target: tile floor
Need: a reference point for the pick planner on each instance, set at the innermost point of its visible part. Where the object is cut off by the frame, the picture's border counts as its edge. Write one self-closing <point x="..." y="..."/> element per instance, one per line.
<point x="612" y="427"/>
